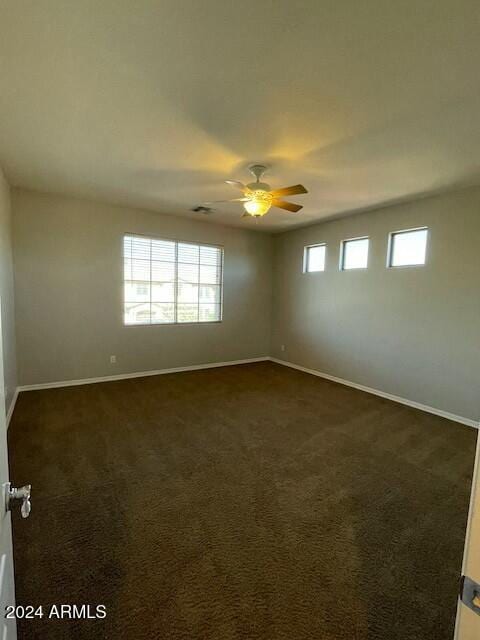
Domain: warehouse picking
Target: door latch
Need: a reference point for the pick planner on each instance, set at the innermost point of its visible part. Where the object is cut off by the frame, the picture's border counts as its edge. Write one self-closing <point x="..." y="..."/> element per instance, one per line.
<point x="13" y="496"/>
<point x="470" y="594"/>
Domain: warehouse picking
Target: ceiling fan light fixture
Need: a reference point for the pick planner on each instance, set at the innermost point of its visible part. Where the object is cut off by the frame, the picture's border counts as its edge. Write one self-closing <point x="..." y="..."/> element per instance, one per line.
<point x="258" y="204"/>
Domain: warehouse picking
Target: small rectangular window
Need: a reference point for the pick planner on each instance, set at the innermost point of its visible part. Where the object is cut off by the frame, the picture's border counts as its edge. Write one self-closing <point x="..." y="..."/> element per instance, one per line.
<point x="354" y="254"/>
<point x="314" y="258"/>
<point x="407" y="248"/>
<point x="167" y="282"/>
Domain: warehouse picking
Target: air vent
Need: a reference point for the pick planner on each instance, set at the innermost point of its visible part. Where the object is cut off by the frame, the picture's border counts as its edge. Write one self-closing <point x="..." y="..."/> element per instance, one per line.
<point x="202" y="209"/>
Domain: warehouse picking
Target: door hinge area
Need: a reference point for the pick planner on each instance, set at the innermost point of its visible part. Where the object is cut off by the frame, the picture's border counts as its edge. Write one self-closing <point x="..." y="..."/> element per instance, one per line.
<point x="470" y="594"/>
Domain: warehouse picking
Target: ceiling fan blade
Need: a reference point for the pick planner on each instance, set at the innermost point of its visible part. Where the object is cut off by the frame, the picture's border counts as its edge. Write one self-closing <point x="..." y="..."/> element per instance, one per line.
<point x="289" y="191"/>
<point x="288" y="206"/>
<point x="237" y="184"/>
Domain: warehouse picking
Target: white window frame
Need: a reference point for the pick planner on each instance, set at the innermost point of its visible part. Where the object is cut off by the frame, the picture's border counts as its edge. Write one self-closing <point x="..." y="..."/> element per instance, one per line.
<point x="177" y="242"/>
<point x="390" y="243"/>
<point x="342" y="254"/>
<point x="305" y="257"/>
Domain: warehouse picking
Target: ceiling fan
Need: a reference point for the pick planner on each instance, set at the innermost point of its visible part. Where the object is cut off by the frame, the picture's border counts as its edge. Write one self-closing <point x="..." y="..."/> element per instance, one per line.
<point x="258" y="197"/>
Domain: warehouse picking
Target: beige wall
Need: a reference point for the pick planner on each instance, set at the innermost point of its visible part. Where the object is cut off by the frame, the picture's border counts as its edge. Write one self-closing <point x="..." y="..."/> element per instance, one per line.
<point x="7" y="294"/>
<point x="413" y="332"/>
<point x="68" y="275"/>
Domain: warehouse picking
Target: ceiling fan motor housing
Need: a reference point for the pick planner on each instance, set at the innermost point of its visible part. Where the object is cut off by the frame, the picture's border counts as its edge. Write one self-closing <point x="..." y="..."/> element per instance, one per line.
<point x="258" y="186"/>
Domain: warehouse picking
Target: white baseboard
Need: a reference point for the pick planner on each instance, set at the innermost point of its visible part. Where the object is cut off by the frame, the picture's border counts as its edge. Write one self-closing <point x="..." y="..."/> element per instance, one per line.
<point x="136" y="374"/>
<point x="211" y="365"/>
<point x="410" y="403"/>
<point x="11" y="408"/>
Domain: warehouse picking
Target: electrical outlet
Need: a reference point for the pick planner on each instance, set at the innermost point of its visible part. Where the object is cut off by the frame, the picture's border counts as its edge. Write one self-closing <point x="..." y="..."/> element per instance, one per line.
<point x="113" y="359"/>
<point x="282" y="347"/>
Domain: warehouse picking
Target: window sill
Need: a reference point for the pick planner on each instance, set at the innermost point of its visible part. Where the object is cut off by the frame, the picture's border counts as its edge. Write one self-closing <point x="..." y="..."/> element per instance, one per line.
<point x="172" y="324"/>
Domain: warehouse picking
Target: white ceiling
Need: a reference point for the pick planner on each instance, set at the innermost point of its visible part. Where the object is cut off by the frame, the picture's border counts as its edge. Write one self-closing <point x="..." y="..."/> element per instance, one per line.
<point x="153" y="104"/>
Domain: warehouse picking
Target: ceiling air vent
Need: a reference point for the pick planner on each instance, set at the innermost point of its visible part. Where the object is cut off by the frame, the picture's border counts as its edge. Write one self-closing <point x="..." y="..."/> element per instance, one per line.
<point x="202" y="209"/>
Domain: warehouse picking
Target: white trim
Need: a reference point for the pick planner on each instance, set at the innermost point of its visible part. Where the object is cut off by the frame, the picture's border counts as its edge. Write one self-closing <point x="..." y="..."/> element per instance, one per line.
<point x="306" y="257"/>
<point x="136" y="374"/>
<point x="341" y="265"/>
<point x="11" y="408"/>
<point x="410" y="403"/>
<point x="141" y="374"/>
<point x="473" y="502"/>
<point x="390" y="247"/>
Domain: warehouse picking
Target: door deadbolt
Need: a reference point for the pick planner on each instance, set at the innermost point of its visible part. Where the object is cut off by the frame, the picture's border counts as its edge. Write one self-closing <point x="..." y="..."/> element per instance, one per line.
<point x="14" y="496"/>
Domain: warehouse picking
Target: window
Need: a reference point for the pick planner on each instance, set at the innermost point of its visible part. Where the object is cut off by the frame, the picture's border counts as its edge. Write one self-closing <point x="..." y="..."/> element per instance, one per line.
<point x="314" y="258"/>
<point x="169" y="282"/>
<point x="407" y="248"/>
<point x="354" y="254"/>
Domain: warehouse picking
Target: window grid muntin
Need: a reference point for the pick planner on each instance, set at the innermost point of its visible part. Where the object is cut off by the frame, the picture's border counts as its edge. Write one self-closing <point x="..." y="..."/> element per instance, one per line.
<point x="214" y="261"/>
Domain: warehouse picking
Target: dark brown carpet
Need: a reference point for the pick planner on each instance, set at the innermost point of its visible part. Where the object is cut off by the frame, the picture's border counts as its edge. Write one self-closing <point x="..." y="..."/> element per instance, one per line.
<point x="250" y="502"/>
